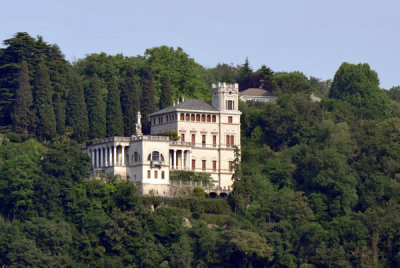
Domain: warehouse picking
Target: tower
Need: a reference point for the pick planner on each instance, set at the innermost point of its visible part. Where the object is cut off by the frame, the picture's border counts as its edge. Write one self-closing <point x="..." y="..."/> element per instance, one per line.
<point x="225" y="96"/>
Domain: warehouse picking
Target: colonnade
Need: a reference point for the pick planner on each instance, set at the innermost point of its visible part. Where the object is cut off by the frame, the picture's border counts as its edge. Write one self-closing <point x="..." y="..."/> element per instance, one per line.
<point x="184" y="156"/>
<point x="108" y="156"/>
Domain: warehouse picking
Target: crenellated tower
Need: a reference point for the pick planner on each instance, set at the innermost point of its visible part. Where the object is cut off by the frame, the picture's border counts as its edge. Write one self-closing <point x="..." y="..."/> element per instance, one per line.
<point x="225" y="96"/>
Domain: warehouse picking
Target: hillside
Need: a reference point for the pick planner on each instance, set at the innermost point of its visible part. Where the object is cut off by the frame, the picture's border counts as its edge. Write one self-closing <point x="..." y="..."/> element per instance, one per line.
<point x="317" y="186"/>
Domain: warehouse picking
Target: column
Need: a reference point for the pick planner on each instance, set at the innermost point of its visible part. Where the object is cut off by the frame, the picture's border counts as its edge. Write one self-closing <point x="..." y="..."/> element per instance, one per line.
<point x="109" y="157"/>
<point x="101" y="157"/>
<point x="170" y="159"/>
<point x="190" y="160"/>
<point x="115" y="155"/>
<point x="106" y="156"/>
<point x="98" y="157"/>
<point x="123" y="155"/>
<point x="182" y="159"/>
<point x="92" y="157"/>
<point x="175" y="159"/>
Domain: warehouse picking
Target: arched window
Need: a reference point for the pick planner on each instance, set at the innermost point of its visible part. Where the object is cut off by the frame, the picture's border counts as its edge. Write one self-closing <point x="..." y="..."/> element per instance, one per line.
<point x="155" y="156"/>
<point x="182" y="117"/>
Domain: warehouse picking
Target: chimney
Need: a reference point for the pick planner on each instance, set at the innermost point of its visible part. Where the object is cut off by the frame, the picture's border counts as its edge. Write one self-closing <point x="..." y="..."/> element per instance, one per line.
<point x="183" y="98"/>
<point x="177" y="101"/>
<point x="173" y="103"/>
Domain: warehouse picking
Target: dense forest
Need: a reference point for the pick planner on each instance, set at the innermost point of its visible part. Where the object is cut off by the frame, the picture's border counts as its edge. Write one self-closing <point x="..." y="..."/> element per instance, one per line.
<point x="318" y="184"/>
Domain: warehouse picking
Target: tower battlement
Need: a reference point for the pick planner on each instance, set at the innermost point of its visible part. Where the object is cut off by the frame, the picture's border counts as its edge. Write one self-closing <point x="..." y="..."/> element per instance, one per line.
<point x="225" y="86"/>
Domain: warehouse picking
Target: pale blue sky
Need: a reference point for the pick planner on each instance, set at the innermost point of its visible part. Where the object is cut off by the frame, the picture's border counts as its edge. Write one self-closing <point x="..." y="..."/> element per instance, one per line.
<point x="311" y="36"/>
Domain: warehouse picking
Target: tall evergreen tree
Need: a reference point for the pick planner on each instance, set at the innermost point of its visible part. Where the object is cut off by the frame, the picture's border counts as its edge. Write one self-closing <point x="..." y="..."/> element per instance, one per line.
<point x="166" y="93"/>
<point x="77" y="116"/>
<point x="22" y="114"/>
<point x="46" y="124"/>
<point x="96" y="109"/>
<point x="115" y="122"/>
<point x="129" y="101"/>
<point x="148" y="101"/>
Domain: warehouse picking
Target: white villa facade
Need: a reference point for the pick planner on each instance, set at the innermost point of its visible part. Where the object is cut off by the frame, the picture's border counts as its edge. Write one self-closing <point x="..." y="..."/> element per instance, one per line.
<point x="207" y="135"/>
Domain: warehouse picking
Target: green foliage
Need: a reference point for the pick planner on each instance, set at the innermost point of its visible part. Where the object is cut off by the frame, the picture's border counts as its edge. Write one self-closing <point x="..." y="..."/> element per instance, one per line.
<point x="77" y="116"/>
<point x="294" y="82"/>
<point x="180" y="175"/>
<point x="115" y="123"/>
<point x="183" y="72"/>
<point x="129" y="102"/>
<point x="22" y="114"/>
<point x="166" y="93"/>
<point x="359" y="86"/>
<point x="46" y="125"/>
<point x="96" y="109"/>
<point x="199" y="192"/>
<point x="148" y="99"/>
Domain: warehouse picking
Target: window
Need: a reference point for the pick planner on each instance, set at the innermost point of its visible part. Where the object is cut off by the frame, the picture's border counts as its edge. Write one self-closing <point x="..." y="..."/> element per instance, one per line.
<point x="203" y="140"/>
<point x="154" y="121"/>
<point x="136" y="156"/>
<point x="182" y="137"/>
<point x="187" y="117"/>
<point x="215" y="140"/>
<point x="192" y="117"/>
<point x="232" y="140"/>
<point x="230" y="119"/>
<point x="208" y="118"/>
<point x="182" y="117"/>
<point x="203" y="164"/>
<point x="214" y="118"/>
<point x="197" y="117"/>
<point x="155" y="156"/>
<point x="162" y="175"/>
<point x="148" y="174"/>
<point x="229" y="105"/>
<point x="193" y="164"/>
<point x="155" y="174"/>
<point x="230" y="165"/>
<point x="203" y="118"/>
<point x="227" y="139"/>
<point x="193" y="139"/>
<point x="214" y="165"/>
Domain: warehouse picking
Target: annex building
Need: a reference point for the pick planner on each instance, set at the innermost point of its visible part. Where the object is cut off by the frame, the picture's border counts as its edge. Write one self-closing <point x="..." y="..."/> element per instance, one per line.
<point x="208" y="133"/>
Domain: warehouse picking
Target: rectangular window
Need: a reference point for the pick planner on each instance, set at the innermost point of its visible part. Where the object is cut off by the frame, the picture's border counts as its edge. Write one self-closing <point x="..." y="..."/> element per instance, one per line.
<point x="203" y="140"/>
<point x="148" y="174"/>
<point x="154" y="121"/>
<point x="230" y="119"/>
<point x="227" y="140"/>
<point x="182" y="137"/>
<point x="203" y="118"/>
<point x="197" y="117"/>
<point x="182" y="117"/>
<point x="229" y="105"/>
<point x="230" y="165"/>
<point x="232" y="140"/>
<point x="193" y="139"/>
<point x="214" y="118"/>
<point x="214" y="165"/>
<point x="208" y="118"/>
<point x="187" y="117"/>
<point x="162" y="175"/>
<point x="192" y="117"/>
<point x="193" y="164"/>
<point x="215" y="140"/>
<point x="203" y="164"/>
<point x="155" y="174"/>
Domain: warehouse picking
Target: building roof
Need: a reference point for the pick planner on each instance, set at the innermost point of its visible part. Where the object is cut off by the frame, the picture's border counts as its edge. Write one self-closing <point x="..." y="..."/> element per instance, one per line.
<point x="255" y="92"/>
<point x="196" y="105"/>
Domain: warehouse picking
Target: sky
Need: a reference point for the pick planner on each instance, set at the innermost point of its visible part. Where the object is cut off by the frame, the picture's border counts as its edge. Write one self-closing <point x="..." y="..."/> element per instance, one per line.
<point x="310" y="36"/>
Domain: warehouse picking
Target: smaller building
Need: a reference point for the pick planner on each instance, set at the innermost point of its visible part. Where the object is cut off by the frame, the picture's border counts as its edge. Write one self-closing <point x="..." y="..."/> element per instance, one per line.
<point x="257" y="94"/>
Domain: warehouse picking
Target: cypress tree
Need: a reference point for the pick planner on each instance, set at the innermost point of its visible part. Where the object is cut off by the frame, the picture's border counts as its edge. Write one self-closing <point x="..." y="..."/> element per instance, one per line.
<point x="22" y="114"/>
<point x="96" y="109"/>
<point x="129" y="101"/>
<point x="46" y="120"/>
<point x="148" y="102"/>
<point x="77" y="116"/>
<point x="115" y="122"/>
<point x="166" y="93"/>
